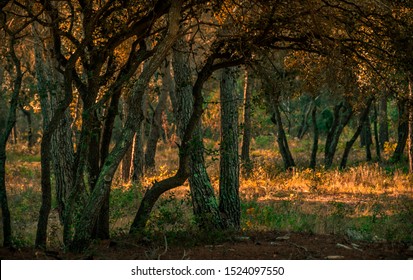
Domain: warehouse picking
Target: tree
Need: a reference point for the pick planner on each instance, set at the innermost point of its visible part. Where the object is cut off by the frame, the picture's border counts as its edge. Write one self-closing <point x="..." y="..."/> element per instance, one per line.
<point x="229" y="201"/>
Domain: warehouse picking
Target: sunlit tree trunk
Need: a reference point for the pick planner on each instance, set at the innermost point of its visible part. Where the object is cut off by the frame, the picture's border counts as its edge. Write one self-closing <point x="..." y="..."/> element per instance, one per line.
<point x="229" y="201"/>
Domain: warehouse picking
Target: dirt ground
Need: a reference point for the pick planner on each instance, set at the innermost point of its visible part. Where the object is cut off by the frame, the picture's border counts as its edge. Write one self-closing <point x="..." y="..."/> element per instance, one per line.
<point x="262" y="245"/>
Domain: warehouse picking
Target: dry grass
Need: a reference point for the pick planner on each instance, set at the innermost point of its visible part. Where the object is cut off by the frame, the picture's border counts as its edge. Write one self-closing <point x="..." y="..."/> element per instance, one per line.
<point x="369" y="199"/>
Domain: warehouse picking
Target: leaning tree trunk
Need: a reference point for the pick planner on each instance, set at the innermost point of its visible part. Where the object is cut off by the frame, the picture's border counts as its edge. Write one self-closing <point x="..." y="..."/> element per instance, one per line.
<point x="246" y="137"/>
<point x="229" y="202"/>
<point x="362" y="122"/>
<point x="183" y="172"/>
<point x="402" y="130"/>
<point x="314" y="150"/>
<point x="282" y="140"/>
<point x="205" y="206"/>
<point x="10" y="123"/>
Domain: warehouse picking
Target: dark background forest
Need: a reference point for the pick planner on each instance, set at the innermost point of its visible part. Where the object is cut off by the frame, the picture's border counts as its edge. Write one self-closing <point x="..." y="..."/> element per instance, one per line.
<point x="154" y="124"/>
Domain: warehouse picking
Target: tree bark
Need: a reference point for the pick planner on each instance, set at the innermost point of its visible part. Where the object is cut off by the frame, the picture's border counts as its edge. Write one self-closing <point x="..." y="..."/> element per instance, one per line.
<point x="246" y="138"/>
<point x="229" y="202"/>
<point x="205" y="206"/>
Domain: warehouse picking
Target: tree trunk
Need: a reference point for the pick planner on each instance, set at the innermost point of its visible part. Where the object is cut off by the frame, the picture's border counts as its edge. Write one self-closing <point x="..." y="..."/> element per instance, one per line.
<point x="402" y="130"/>
<point x="138" y="154"/>
<point x="229" y="202"/>
<point x="246" y="138"/>
<point x="282" y="140"/>
<point x="314" y="150"/>
<point x="304" y="123"/>
<point x="342" y="115"/>
<point x="10" y="123"/>
<point x="376" y="133"/>
<point x="50" y="85"/>
<point x="383" y="121"/>
<point x="367" y="134"/>
<point x="205" y="206"/>
<point x="89" y="215"/>
<point x="183" y="172"/>
<point x="362" y="122"/>
<point x="127" y="159"/>
<point x="30" y="140"/>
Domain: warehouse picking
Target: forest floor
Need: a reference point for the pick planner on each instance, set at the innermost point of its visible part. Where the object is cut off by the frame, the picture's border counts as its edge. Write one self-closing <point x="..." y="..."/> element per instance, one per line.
<point x="254" y="246"/>
<point x="363" y="212"/>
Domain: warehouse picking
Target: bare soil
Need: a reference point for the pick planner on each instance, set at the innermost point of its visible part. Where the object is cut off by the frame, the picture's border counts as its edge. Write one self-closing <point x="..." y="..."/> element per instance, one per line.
<point x="255" y="245"/>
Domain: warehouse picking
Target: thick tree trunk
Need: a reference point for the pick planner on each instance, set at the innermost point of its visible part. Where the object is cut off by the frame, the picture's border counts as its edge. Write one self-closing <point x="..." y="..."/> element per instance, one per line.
<point x="314" y="150"/>
<point x="342" y="115"/>
<point x="246" y="138"/>
<point x="229" y="202"/>
<point x="50" y="85"/>
<point x="205" y="206"/>
<point x="362" y="122"/>
<point x="402" y="130"/>
<point x="383" y="121"/>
